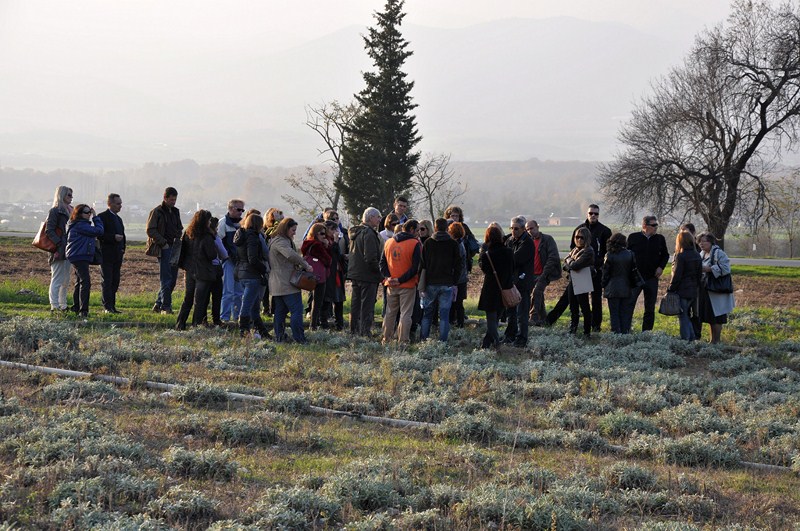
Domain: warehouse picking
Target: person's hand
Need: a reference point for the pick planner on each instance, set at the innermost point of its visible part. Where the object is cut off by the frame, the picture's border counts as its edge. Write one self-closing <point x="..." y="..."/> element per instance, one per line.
<point x="658" y="272"/>
<point x="309" y="268"/>
<point x="394" y="282"/>
<point x="118" y="237"/>
<point x="706" y="269"/>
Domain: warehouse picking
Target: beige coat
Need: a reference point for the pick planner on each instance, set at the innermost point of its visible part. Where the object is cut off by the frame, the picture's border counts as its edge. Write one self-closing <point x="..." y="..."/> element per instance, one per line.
<point x="284" y="260"/>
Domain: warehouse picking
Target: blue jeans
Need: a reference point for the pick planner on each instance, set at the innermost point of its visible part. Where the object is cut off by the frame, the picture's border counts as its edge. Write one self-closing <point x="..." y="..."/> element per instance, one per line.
<point x="685" y="321"/>
<point x="251" y="298"/>
<point x="168" y="276"/>
<point x="289" y="304"/>
<point x="443" y="294"/>
<point x="232" y="292"/>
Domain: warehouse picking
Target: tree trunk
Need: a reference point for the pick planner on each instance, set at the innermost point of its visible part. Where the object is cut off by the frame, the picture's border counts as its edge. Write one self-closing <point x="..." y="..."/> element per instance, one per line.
<point x="718" y="227"/>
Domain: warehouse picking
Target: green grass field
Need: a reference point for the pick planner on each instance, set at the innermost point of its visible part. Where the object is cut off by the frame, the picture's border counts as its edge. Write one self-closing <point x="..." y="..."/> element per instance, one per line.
<point x="616" y="432"/>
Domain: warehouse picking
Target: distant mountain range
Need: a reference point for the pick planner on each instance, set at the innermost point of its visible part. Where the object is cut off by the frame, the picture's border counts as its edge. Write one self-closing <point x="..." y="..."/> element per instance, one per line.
<point x="505" y="90"/>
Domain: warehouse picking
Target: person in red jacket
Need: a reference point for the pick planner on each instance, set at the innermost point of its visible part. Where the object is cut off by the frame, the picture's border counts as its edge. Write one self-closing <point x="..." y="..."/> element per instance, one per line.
<point x="400" y="261"/>
<point x="315" y="251"/>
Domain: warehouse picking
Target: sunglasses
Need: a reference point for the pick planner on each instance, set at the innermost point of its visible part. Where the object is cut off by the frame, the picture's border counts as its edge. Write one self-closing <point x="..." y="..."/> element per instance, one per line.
<point x="239" y="209"/>
<point x="594" y="213"/>
<point x="86" y="212"/>
<point x="579" y="237"/>
<point x="652" y="224"/>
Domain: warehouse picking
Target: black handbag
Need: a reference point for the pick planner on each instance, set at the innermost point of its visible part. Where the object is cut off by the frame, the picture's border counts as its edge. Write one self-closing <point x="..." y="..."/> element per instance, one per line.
<point x="720" y="284"/>
<point x="670" y="304"/>
<point x="97" y="259"/>
<point x="635" y="277"/>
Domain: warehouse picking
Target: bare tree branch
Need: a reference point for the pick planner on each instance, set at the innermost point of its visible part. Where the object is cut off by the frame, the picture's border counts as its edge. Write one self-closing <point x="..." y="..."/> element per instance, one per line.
<point x="433" y="183"/>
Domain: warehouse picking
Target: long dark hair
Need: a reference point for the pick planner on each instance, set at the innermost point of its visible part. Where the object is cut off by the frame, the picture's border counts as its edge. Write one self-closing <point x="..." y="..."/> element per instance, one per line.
<point x="199" y="224"/>
<point x="77" y="211"/>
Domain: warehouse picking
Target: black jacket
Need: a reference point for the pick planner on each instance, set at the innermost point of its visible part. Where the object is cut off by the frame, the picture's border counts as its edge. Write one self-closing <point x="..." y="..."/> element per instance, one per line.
<point x="600" y="235"/>
<point x="253" y="259"/>
<point x="112" y="249"/>
<point x="503" y="259"/>
<point x="523" y="250"/>
<point x="203" y="251"/>
<point x="617" y="274"/>
<point x="441" y="258"/>
<point x="686" y="274"/>
<point x="651" y="253"/>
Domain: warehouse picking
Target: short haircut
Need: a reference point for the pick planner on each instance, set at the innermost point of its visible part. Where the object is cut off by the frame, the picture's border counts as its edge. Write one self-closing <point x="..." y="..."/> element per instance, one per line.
<point x="410" y="225"/>
<point x="707" y="236"/>
<point x="368" y="213"/>
<point x="519" y="220"/>
<point x="494" y="234"/>
<point x="648" y="219"/>
<point x="533" y="221"/>
<point x="441" y="225"/>
<point x="456" y="230"/>
<point x="234" y="202"/>
<point x="594" y="206"/>
<point x="328" y="213"/>
<point x="401" y="199"/>
<point x="111" y="198"/>
<point x="453" y="208"/>
<point x="169" y="191"/>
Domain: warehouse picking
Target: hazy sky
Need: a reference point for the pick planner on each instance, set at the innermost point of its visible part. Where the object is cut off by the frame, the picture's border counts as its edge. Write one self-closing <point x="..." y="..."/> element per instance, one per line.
<point x="78" y="26"/>
<point x="81" y="65"/>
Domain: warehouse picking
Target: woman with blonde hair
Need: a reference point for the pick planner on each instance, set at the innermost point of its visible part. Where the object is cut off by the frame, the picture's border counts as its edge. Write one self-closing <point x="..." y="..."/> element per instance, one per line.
<point x="274" y="216"/>
<point x="56" y="230"/>
<point x="686" y="274"/>
<point x="252" y="270"/>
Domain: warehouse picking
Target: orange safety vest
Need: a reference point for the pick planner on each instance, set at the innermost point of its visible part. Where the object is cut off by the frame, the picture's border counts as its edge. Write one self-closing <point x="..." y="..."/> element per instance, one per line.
<point x="399" y="256"/>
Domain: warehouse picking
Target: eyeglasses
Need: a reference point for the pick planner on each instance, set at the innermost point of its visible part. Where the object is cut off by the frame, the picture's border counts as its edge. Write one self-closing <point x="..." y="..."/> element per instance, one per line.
<point x="594" y="213"/>
<point x="515" y="228"/>
<point x="579" y="238"/>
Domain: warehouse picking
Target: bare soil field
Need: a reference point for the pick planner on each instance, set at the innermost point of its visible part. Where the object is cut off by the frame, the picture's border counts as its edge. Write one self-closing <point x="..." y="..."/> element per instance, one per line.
<point x="19" y="261"/>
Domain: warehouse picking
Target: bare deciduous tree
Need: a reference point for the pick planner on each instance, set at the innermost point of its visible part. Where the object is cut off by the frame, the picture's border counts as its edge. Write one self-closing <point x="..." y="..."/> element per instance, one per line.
<point x="317" y="189"/>
<point x="331" y="122"/>
<point x="434" y="184"/>
<point x="714" y="126"/>
<point x="785" y="199"/>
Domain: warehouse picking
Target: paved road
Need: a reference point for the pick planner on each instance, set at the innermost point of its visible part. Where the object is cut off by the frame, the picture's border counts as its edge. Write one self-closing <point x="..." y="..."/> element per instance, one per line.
<point x="735" y="261"/>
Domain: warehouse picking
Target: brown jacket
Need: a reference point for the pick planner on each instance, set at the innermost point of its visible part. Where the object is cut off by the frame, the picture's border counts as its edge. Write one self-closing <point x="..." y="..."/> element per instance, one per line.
<point x="163" y="228"/>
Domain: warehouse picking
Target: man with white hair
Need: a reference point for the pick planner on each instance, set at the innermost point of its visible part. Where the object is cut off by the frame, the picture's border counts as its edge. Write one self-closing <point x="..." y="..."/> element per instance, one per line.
<point x="364" y="271"/>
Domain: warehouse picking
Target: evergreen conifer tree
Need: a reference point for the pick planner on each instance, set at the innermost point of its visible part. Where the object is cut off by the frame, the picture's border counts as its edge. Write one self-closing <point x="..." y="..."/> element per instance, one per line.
<point x="377" y="157"/>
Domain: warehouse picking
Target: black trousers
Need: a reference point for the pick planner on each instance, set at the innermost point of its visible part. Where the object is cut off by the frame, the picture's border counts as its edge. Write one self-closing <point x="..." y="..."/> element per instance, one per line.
<point x="188" y="302"/>
<point x="559" y="308"/>
<point x="597" y="300"/>
<point x="581" y="302"/>
<point x="110" y="273"/>
<point x="83" y="285"/>
<point x="650" y="290"/>
<point x="202" y="295"/>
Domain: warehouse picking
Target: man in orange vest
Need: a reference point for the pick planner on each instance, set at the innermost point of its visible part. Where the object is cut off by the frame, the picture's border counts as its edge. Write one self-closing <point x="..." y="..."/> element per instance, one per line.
<point x="400" y="261"/>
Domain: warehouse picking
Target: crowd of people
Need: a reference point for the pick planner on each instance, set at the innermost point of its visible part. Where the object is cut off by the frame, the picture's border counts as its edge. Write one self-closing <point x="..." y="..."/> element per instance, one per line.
<point x="247" y="265"/>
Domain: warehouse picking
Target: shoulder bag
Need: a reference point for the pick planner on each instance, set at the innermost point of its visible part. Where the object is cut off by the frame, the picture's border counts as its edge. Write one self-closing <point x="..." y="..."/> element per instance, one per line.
<point x="304" y="280"/>
<point x="42" y="240"/>
<point x="720" y="284"/>
<point x="511" y="297"/>
<point x="178" y="257"/>
<point x="636" y="279"/>
<point x="670" y="304"/>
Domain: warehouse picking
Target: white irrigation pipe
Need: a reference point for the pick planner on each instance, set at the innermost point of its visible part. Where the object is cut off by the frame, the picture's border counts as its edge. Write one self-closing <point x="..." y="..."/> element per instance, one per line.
<point x="119" y="380"/>
<point x="314" y="409"/>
